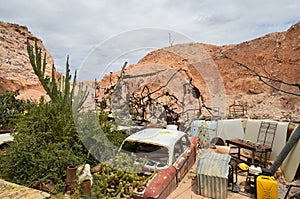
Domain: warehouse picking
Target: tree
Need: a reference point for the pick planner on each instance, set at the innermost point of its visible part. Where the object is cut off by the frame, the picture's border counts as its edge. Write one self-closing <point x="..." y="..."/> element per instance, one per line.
<point x="144" y="99"/>
<point x="171" y="41"/>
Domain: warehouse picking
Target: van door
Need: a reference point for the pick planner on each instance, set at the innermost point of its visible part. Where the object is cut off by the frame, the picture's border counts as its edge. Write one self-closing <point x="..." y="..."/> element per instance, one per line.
<point x="181" y="157"/>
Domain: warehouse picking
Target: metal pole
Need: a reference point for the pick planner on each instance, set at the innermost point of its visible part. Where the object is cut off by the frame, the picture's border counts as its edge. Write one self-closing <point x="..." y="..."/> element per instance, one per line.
<point x="286" y="149"/>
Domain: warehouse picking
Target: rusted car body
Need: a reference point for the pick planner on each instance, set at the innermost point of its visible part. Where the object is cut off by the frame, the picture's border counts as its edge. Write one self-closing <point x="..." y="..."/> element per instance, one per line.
<point x="171" y="152"/>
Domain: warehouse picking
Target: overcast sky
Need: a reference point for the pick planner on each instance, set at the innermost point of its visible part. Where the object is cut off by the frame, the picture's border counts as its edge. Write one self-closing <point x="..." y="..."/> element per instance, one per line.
<point x="79" y="27"/>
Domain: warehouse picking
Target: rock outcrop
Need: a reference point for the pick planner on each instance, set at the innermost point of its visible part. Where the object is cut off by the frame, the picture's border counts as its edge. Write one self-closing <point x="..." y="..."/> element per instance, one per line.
<point x="275" y="57"/>
<point x="16" y="70"/>
<point x="229" y="71"/>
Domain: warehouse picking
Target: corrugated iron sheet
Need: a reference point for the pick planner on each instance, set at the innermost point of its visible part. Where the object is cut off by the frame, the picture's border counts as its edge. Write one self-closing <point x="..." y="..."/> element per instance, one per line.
<point x="195" y="127"/>
<point x="212" y="175"/>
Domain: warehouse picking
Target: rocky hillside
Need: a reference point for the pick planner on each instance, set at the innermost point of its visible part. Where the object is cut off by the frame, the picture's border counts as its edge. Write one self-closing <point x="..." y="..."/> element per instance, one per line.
<point x="223" y="75"/>
<point x="230" y="74"/>
<point x="16" y="71"/>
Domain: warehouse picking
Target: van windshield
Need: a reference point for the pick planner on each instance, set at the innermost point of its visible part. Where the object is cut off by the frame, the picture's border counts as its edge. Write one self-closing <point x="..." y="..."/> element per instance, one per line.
<point x="149" y="151"/>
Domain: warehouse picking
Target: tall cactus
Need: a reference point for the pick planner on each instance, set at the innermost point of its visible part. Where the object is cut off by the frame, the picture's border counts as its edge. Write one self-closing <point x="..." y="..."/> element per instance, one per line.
<point x="58" y="90"/>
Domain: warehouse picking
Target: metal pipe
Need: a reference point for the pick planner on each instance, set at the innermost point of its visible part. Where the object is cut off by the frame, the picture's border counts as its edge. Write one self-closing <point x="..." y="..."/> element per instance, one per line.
<point x="285" y="151"/>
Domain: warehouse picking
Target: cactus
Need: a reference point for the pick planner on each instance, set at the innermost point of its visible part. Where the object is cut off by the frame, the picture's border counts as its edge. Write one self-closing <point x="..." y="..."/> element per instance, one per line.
<point x="58" y="90"/>
<point x="120" y="181"/>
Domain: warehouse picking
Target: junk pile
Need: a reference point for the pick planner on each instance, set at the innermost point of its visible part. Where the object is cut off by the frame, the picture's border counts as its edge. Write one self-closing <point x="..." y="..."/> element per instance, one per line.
<point x="215" y="172"/>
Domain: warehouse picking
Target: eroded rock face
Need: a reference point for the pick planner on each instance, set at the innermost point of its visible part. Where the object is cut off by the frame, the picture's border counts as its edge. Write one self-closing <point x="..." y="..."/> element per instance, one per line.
<point x="16" y="70"/>
<point x="275" y="56"/>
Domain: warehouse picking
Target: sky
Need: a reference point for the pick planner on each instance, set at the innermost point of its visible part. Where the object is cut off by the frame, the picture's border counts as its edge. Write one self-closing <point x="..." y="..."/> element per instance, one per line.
<point x="105" y="33"/>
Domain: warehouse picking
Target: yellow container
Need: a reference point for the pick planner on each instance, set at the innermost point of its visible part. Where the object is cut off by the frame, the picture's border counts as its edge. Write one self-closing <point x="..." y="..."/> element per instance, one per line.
<point x="266" y="187"/>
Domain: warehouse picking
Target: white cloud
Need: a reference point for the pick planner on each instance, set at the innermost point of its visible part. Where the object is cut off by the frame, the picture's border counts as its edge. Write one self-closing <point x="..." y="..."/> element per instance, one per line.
<point x="76" y="27"/>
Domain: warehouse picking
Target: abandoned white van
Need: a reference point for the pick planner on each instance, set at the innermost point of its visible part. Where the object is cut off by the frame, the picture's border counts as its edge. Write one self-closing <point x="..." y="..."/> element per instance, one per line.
<point x="169" y="151"/>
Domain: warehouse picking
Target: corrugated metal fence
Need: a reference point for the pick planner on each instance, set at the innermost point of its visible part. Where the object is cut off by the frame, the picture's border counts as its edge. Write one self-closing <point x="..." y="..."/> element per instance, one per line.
<point x="212" y="175"/>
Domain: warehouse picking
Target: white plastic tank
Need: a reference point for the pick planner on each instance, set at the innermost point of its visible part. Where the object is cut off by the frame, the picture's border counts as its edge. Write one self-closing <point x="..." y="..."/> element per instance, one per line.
<point x="172" y="127"/>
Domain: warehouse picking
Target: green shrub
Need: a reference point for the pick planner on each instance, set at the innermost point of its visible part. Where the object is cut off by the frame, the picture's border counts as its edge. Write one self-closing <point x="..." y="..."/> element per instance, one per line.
<point x="46" y="142"/>
<point x="46" y="139"/>
<point x="10" y="108"/>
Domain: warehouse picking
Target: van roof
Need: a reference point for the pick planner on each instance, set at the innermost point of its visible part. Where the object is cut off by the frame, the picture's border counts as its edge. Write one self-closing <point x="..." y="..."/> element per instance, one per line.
<point x="156" y="136"/>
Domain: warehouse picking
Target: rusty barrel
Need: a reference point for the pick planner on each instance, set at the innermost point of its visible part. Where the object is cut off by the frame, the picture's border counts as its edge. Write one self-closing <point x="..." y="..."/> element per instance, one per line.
<point x="71" y="174"/>
<point x="86" y="187"/>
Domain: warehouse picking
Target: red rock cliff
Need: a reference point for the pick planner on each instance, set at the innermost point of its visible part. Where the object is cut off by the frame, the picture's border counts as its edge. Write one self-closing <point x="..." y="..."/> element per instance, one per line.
<point x="16" y="70"/>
